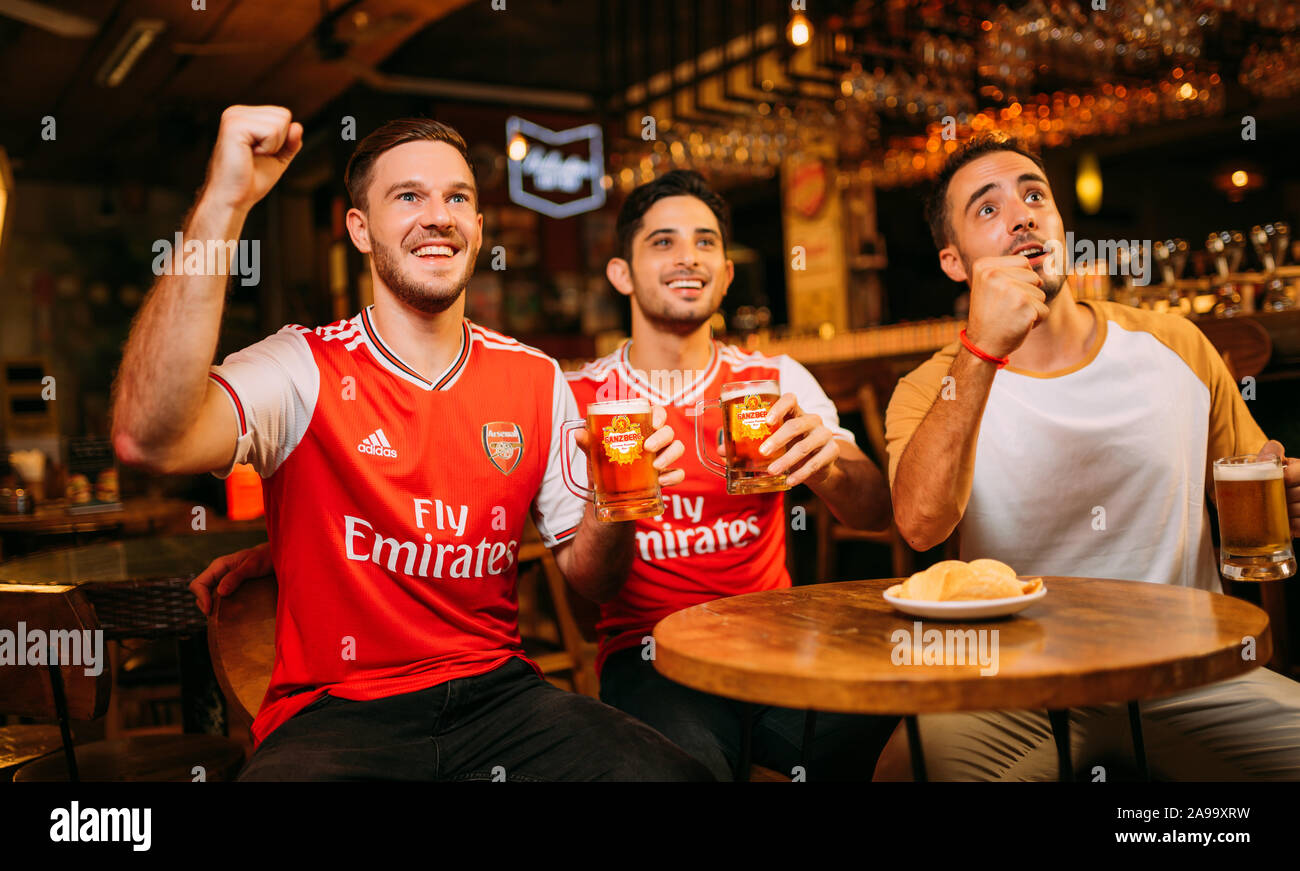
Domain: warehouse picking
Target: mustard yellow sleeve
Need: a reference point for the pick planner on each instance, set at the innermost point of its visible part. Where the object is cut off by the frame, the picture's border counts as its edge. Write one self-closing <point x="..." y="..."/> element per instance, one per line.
<point x="1233" y="429"/>
<point x="911" y="402"/>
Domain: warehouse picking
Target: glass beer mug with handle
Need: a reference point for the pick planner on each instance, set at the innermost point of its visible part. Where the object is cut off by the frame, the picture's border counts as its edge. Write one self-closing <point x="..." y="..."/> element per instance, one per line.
<point x="625" y="483"/>
<point x="745" y="405"/>
<point x="1254" y="532"/>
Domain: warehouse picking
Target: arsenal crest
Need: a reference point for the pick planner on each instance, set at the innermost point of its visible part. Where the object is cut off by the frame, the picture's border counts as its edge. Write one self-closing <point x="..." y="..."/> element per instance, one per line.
<point x="504" y="443"/>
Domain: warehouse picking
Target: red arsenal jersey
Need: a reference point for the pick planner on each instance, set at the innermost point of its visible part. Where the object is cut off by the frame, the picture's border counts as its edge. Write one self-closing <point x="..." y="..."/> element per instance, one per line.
<point x="707" y="544"/>
<point x="396" y="503"/>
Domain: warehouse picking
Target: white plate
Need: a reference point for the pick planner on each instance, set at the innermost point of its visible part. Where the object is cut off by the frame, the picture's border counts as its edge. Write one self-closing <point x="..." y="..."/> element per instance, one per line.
<point x="967" y="609"/>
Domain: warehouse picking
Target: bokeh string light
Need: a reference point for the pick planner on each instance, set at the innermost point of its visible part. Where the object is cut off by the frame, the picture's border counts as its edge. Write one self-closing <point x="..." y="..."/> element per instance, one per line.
<point x="1055" y="119"/>
<point x="1273" y="73"/>
<point x="1140" y="62"/>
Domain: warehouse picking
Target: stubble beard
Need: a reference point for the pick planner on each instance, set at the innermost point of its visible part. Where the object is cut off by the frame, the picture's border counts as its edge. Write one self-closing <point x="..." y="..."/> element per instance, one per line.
<point x="430" y="297"/>
<point x="665" y="316"/>
<point x="1052" y="284"/>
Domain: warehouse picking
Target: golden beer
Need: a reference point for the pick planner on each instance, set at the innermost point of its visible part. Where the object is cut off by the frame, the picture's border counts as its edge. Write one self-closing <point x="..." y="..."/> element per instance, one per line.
<point x="1254" y="532"/>
<point x="745" y="405"/>
<point x="625" y="483"/>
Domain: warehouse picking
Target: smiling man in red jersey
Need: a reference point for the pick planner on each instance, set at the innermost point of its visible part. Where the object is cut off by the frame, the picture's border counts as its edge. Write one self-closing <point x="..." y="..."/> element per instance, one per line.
<point x="403" y="450"/>
<point x="673" y="267"/>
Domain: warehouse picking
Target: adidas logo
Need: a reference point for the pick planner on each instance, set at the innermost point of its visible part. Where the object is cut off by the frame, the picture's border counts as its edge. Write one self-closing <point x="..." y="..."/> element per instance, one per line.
<point x="377" y="443"/>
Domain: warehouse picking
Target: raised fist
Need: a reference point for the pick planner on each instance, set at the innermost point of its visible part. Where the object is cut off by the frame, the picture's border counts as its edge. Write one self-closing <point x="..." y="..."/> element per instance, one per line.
<point x="254" y="147"/>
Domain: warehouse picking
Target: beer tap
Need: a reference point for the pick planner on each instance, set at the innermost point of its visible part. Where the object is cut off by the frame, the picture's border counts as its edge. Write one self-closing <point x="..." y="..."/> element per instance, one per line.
<point x="1271" y="241"/>
<point x="1227" y="248"/>
<point x="1130" y="294"/>
<point x="1171" y="256"/>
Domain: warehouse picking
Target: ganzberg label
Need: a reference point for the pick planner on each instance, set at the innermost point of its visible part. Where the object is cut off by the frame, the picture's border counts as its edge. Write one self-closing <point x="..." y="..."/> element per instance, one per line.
<point x="622" y="440"/>
<point x="751" y="418"/>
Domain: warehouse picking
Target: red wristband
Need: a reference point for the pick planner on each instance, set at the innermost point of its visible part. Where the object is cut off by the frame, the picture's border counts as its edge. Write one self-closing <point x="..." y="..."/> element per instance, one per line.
<point x="983" y="355"/>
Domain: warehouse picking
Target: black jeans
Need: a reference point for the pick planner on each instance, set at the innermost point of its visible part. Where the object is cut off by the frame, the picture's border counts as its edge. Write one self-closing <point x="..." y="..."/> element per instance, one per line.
<point x="709" y="727"/>
<point x="506" y="724"/>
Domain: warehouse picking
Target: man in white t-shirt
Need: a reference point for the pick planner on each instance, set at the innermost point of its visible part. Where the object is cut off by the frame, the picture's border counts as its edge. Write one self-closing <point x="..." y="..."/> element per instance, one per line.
<point x="1047" y="411"/>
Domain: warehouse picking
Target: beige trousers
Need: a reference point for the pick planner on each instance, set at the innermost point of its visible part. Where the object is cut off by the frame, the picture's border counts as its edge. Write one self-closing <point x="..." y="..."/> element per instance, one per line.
<point x="1244" y="728"/>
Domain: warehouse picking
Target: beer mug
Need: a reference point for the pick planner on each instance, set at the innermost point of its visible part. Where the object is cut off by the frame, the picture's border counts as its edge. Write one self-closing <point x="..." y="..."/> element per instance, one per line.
<point x="626" y="483"/>
<point x="744" y="427"/>
<point x="1254" y="533"/>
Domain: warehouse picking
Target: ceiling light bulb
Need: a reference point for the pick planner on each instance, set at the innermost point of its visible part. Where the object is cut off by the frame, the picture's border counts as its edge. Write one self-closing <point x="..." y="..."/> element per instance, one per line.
<point x="799" y="31"/>
<point x="518" y="147"/>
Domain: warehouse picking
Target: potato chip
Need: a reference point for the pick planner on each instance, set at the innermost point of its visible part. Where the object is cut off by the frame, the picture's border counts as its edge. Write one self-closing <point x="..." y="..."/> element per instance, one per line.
<point x="935" y="579"/>
<point x="957" y="576"/>
<point x="955" y="580"/>
<point x="991" y="580"/>
<point x="980" y="566"/>
<point x="987" y="586"/>
<point x="926" y="586"/>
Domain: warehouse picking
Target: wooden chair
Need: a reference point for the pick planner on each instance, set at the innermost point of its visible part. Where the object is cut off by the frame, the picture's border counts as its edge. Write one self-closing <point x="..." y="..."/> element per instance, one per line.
<point x="830" y="532"/>
<point x="65" y="692"/>
<point x="1244" y="344"/>
<point x="241" y="644"/>
<point x="25" y="689"/>
<point x="575" y="622"/>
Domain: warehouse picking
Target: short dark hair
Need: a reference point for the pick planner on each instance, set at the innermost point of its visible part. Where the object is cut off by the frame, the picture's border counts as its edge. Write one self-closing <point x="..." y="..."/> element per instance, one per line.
<point x="678" y="183"/>
<point x="392" y="134"/>
<point x="937" y="212"/>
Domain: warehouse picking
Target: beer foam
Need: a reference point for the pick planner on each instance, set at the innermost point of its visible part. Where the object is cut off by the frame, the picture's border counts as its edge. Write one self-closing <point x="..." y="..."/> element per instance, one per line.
<point x="748" y="387"/>
<point x="1264" y="471"/>
<point x="620" y="406"/>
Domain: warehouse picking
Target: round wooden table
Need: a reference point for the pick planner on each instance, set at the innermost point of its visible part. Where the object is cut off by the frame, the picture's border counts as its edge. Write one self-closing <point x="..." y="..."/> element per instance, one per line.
<point x="840" y="647"/>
